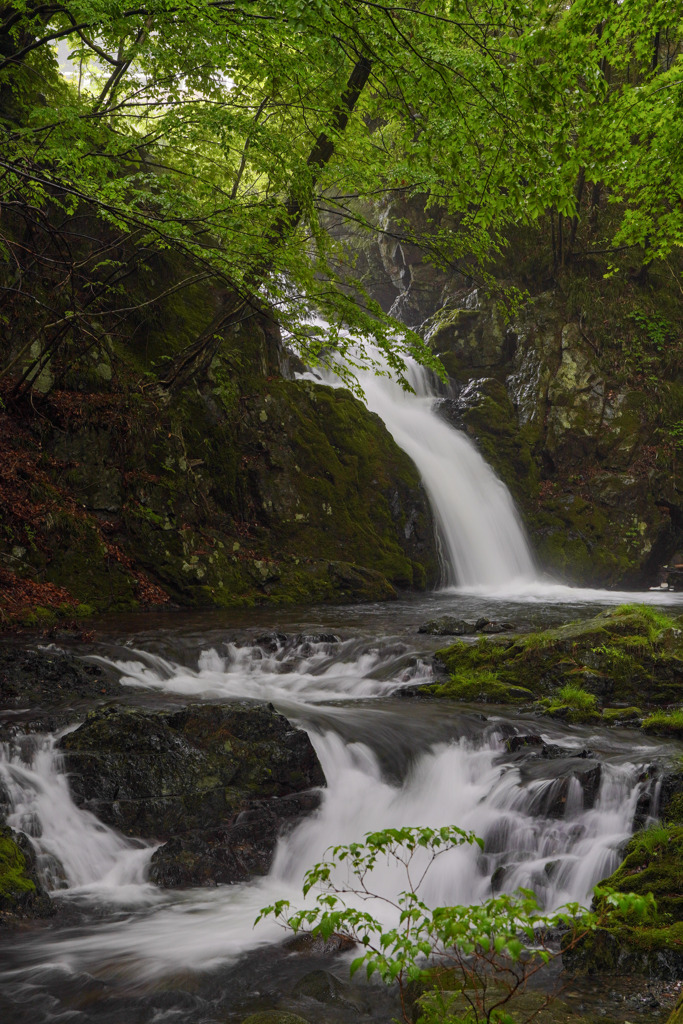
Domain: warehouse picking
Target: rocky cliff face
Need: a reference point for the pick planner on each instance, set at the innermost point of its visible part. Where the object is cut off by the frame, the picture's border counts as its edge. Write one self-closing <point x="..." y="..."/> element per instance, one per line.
<point x="575" y="399"/>
<point x="242" y="488"/>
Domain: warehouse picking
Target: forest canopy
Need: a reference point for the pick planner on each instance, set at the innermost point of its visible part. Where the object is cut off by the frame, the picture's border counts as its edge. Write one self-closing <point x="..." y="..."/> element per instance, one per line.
<point x="231" y="133"/>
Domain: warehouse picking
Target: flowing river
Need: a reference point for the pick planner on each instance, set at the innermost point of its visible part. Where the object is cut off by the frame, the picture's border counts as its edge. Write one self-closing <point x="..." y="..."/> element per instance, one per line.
<point x="121" y="949"/>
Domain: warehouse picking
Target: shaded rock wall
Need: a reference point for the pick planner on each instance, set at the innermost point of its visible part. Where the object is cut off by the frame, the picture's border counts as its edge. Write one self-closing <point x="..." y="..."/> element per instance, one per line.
<point x="244" y="487"/>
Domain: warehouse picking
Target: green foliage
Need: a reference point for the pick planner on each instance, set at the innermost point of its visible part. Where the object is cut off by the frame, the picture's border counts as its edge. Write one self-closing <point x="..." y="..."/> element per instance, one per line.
<point x="234" y="134"/>
<point x="483" y="954"/>
<point x="667" y="723"/>
<point x="572" y="702"/>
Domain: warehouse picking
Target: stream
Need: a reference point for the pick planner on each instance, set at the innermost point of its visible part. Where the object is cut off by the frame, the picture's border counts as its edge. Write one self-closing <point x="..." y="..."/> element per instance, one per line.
<point x="122" y="950"/>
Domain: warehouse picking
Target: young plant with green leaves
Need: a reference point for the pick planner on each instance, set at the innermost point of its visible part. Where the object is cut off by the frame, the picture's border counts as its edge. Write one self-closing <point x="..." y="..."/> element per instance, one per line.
<point x="469" y="962"/>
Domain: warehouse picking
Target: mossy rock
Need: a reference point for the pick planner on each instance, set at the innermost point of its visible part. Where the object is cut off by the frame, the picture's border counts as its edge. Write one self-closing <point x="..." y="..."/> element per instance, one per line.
<point x="631" y="652"/>
<point x="483" y="686"/>
<point x="653" y="863"/>
<point x="664" y="723"/>
<point x="21" y="895"/>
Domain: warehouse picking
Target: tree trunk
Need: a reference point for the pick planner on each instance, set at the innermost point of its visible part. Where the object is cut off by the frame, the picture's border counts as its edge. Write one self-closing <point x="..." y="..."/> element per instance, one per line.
<point x="201" y="351"/>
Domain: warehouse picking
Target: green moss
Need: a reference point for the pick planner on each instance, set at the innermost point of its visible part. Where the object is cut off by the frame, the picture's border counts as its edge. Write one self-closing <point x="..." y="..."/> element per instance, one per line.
<point x="653" y="862"/>
<point x="611" y="715"/>
<point x="482" y="685"/>
<point x="673" y="814"/>
<point x="14" y="879"/>
<point x="571" y="702"/>
<point x="628" y="653"/>
<point x="665" y="723"/>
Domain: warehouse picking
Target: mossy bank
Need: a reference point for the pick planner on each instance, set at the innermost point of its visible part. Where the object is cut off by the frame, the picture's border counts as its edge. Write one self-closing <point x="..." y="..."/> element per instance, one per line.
<point x="241" y="487"/>
<point x="615" y="666"/>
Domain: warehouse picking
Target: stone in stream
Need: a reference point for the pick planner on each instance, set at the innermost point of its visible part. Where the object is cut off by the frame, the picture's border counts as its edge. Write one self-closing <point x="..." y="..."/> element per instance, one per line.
<point x="274" y="1017"/>
<point x="38" y="689"/>
<point x="324" y="987"/>
<point x="232" y="853"/>
<point x="449" y="625"/>
<point x="220" y="782"/>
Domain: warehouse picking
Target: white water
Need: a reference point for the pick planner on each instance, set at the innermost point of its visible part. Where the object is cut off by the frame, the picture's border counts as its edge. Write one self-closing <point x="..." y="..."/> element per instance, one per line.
<point x="76" y="852"/>
<point x="481" y="534"/>
<point x="459" y="782"/>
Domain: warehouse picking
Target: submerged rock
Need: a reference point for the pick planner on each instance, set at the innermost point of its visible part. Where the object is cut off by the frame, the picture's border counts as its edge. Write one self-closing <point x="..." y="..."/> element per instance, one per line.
<point x="163" y="773"/>
<point x="324" y="987"/>
<point x="274" y="1017"/>
<point x="449" y="625"/>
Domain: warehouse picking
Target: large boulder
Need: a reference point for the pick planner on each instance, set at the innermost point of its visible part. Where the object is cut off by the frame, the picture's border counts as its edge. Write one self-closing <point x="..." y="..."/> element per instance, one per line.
<point x="163" y="773"/>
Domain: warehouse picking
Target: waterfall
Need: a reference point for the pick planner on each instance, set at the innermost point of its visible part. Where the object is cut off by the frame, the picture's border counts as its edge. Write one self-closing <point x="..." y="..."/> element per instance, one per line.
<point x="481" y="535"/>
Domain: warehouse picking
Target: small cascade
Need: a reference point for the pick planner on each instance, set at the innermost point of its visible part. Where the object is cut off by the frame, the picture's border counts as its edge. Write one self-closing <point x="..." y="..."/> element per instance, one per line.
<point x="76" y="853"/>
<point x="481" y="534"/>
<point x="556" y="825"/>
<point x="292" y="671"/>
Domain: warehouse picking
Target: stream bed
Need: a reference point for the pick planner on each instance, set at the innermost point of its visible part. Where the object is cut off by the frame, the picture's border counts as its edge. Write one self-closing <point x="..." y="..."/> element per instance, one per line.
<point x="122" y="950"/>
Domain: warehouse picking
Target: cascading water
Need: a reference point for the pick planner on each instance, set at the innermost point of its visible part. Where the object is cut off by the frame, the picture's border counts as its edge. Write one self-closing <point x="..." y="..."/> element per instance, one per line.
<point x="387" y="764"/>
<point x="76" y="852"/>
<point x="481" y="535"/>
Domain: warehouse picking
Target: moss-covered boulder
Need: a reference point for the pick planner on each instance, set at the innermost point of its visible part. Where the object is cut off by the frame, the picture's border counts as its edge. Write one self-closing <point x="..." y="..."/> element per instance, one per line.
<point x="152" y="773"/>
<point x="21" y="895"/>
<point x="631" y="654"/>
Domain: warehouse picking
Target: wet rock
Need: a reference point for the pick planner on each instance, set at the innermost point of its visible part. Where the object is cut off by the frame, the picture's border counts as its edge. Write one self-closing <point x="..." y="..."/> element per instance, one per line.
<point x="40" y="683"/>
<point x="447" y="625"/>
<point x="271" y="642"/>
<point x="516" y="743"/>
<point x="161" y="773"/>
<point x="302" y="643"/>
<point x="274" y="1017"/>
<point x="233" y="853"/>
<point x="573" y="788"/>
<point x="21" y="894"/>
<point x="323" y="987"/>
<point x="307" y="943"/>
<point x="495" y="627"/>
